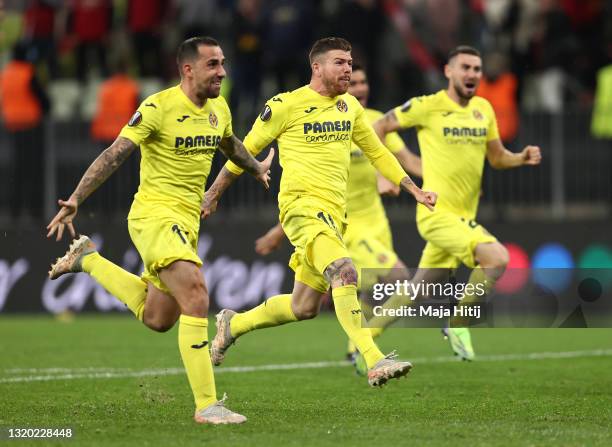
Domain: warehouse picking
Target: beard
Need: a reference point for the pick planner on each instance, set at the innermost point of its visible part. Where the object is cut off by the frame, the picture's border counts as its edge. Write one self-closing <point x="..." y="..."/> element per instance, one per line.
<point x="335" y="87"/>
<point x="462" y="93"/>
<point x="207" y="90"/>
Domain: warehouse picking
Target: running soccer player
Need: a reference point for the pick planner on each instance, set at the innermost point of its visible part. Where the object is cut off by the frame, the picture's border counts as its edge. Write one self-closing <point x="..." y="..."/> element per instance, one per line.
<point x="368" y="237"/>
<point x="456" y="130"/>
<point x="315" y="126"/>
<point x="178" y="131"/>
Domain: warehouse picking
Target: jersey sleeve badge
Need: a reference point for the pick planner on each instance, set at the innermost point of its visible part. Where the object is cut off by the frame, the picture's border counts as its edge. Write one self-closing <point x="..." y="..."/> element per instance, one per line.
<point x="266" y="113"/>
<point x="135" y="120"/>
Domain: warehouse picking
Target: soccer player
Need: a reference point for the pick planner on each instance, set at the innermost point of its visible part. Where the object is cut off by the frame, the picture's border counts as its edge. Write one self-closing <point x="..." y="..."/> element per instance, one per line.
<point x="368" y="237"/>
<point x="456" y="131"/>
<point x="315" y="126"/>
<point x="178" y="131"/>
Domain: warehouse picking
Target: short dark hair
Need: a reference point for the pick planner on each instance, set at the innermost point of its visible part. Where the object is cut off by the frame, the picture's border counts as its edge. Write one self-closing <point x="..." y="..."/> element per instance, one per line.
<point x="326" y="44"/>
<point x="357" y="66"/>
<point x="463" y="49"/>
<point x="189" y="48"/>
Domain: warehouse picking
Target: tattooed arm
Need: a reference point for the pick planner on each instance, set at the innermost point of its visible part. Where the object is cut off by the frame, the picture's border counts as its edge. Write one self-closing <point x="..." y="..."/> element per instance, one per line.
<point x="97" y="173"/>
<point x="211" y="198"/>
<point x="234" y="149"/>
<point x="387" y="124"/>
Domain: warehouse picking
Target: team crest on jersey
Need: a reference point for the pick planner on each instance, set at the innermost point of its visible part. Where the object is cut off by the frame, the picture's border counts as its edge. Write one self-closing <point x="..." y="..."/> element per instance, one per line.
<point x="382" y="258"/>
<point x="342" y="106"/>
<point x="478" y="115"/>
<point x="213" y="120"/>
<point x="135" y="120"/>
<point x="266" y="113"/>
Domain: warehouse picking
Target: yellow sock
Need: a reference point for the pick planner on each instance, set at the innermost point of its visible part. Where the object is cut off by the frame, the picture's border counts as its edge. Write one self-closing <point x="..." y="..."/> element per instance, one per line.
<point x="193" y="344"/>
<point x="272" y="312"/>
<point x="120" y="283"/>
<point x="348" y="313"/>
<point x="376" y="331"/>
<point x="351" y="347"/>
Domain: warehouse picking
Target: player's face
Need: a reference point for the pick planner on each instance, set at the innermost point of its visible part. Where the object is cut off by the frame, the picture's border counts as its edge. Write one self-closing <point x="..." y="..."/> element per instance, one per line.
<point x="208" y="71"/>
<point x="335" y="68"/>
<point x="464" y="73"/>
<point x="359" y="87"/>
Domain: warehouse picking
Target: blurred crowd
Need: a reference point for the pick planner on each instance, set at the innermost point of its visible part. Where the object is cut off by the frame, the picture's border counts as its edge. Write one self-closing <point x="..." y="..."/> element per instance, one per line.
<point x="556" y="45"/>
<point x="539" y="55"/>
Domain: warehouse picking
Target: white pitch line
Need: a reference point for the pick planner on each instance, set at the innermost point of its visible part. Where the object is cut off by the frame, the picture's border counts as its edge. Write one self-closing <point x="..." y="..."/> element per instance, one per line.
<point x="117" y="373"/>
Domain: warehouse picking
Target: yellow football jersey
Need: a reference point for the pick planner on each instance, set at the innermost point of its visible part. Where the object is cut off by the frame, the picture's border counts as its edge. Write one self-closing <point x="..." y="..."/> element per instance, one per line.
<point x="453" y="143"/>
<point x="177" y="142"/>
<point x="315" y="135"/>
<point x="363" y="199"/>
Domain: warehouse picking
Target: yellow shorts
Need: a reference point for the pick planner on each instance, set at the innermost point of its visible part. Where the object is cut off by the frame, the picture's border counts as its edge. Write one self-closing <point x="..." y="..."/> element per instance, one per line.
<point x="451" y="240"/>
<point x="370" y="247"/>
<point x="162" y="241"/>
<point x="317" y="237"/>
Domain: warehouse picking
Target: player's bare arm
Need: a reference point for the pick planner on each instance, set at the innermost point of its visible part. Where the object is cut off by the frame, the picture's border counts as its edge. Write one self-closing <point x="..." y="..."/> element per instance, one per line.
<point x="388" y="123"/>
<point x="410" y="162"/>
<point x="97" y="173"/>
<point x="501" y="158"/>
<point x="233" y="149"/>
<point x="426" y="198"/>
<point x="211" y="197"/>
<point x="270" y="241"/>
<point x="386" y="187"/>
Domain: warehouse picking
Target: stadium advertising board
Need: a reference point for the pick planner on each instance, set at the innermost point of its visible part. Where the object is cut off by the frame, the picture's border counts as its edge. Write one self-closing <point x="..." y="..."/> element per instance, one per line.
<point x="238" y="278"/>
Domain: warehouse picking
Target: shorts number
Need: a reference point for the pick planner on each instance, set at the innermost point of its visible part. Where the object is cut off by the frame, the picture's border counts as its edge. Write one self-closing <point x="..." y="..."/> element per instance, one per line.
<point x="177" y="230"/>
<point x="329" y="222"/>
<point x="366" y="245"/>
<point x="471" y="223"/>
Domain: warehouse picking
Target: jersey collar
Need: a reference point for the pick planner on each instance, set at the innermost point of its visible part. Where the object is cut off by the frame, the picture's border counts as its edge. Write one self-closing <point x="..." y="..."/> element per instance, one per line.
<point x="452" y="103"/>
<point x="195" y="109"/>
<point x="319" y="96"/>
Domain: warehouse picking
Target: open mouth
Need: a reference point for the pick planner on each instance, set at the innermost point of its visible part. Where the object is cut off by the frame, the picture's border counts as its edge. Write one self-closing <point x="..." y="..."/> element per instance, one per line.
<point x="470" y="85"/>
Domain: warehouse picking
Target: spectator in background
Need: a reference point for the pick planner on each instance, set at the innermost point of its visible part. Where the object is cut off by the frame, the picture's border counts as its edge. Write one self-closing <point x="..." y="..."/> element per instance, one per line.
<point x="145" y="19"/>
<point x="90" y="24"/>
<point x="23" y="106"/>
<point x="118" y="98"/>
<point x="197" y="17"/>
<point x="553" y="49"/>
<point x="499" y="87"/>
<point x="288" y="25"/>
<point x="362" y="23"/>
<point x="39" y="31"/>
<point x="601" y="125"/>
<point x="246" y="64"/>
<point x="117" y="101"/>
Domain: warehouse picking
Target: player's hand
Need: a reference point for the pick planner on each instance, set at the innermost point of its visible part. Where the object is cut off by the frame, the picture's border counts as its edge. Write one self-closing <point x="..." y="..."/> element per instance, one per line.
<point x="531" y="155"/>
<point x="209" y="205"/>
<point x="427" y="198"/>
<point x="386" y="187"/>
<point x="63" y="218"/>
<point x="267" y="243"/>
<point x="264" y="170"/>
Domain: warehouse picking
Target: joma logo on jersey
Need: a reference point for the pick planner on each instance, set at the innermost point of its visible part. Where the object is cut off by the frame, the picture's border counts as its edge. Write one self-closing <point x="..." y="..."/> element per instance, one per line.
<point x="465" y="131"/>
<point x="327" y="126"/>
<point x="198" y="141"/>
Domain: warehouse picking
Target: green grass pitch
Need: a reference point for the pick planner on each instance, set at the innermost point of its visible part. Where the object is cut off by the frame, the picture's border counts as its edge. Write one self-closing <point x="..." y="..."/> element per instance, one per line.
<point x="560" y="396"/>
